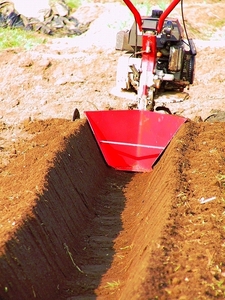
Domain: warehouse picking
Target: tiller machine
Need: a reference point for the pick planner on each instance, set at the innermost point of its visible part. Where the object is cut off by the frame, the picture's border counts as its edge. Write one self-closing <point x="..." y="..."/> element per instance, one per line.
<point x="160" y="60"/>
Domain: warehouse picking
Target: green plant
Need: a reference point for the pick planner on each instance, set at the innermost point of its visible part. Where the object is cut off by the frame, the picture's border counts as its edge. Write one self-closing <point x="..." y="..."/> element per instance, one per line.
<point x="113" y="284"/>
<point x="19" y="38"/>
<point x="73" y="4"/>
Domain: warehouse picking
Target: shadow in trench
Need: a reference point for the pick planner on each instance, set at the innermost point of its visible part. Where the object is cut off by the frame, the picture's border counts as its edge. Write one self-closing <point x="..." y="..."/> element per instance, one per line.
<point x="63" y="249"/>
<point x="99" y="236"/>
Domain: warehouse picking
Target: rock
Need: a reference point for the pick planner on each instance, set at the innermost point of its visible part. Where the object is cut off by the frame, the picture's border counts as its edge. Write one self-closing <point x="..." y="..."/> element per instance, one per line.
<point x="26" y="62"/>
<point x="31" y="8"/>
<point x="53" y="19"/>
<point x="15" y="102"/>
<point x="60" y="8"/>
<point x="6" y="7"/>
<point x="44" y="63"/>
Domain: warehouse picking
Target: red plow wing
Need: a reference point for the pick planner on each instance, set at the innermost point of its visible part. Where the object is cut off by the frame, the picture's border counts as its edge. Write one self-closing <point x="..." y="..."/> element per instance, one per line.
<point x="132" y="140"/>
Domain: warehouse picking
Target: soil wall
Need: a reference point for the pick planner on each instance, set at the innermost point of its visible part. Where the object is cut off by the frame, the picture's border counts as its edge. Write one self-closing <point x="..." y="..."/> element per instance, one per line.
<point x="49" y="244"/>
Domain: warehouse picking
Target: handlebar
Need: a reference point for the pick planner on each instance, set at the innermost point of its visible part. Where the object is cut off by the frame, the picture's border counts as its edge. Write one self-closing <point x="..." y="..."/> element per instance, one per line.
<point x="162" y="18"/>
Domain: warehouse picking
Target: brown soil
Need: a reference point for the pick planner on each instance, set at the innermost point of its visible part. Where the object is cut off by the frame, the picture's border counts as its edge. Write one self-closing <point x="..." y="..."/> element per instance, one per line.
<point x="73" y="228"/>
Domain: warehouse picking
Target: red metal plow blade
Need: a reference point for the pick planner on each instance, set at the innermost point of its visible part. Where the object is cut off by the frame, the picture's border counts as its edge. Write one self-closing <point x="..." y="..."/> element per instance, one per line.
<point x="132" y="140"/>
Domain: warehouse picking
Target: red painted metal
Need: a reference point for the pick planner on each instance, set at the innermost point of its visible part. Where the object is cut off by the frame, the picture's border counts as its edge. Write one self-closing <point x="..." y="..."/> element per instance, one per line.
<point x="132" y="140"/>
<point x="135" y="12"/>
<point x="162" y="18"/>
<point x="149" y="47"/>
<point x="148" y="62"/>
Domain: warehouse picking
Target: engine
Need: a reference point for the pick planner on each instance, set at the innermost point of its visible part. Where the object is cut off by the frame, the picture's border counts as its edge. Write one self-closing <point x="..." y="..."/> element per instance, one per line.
<point x="175" y="58"/>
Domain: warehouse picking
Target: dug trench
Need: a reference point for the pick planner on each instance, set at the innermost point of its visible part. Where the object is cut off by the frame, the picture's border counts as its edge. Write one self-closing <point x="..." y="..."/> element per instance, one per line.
<point x="73" y="228"/>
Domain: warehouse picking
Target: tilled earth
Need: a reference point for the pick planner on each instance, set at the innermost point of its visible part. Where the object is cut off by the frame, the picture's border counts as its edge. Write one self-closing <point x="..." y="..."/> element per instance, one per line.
<point x="73" y="228"/>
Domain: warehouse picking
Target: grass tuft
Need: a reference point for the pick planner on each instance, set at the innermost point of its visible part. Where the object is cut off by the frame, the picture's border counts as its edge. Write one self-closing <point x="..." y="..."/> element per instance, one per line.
<point x="19" y="38"/>
<point x="113" y="284"/>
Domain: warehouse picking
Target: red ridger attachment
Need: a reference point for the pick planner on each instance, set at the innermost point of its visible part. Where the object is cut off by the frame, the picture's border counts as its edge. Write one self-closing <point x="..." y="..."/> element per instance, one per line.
<point x="133" y="140"/>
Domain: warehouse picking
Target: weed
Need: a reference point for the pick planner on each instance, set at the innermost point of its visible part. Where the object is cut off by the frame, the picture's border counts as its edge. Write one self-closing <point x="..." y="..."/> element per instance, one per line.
<point x="217" y="23"/>
<point x="73" y="4"/>
<point x="19" y="38"/>
<point x="113" y="285"/>
<point x="218" y="287"/>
